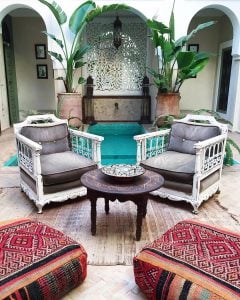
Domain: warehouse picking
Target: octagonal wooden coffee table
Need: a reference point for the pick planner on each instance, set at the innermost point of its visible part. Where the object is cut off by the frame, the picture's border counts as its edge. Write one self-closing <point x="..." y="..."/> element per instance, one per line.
<point x="100" y="185"/>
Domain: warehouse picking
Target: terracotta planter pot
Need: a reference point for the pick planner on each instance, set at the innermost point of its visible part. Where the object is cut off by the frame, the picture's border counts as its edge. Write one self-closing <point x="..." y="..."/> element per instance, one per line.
<point x="168" y="104"/>
<point x="70" y="107"/>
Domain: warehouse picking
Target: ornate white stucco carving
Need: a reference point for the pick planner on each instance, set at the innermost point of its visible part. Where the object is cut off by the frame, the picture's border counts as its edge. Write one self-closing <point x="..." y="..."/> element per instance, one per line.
<point x="117" y="71"/>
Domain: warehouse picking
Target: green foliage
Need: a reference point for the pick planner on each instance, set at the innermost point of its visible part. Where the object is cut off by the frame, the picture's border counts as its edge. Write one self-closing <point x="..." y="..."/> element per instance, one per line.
<point x="165" y="121"/>
<point x="173" y="56"/>
<point x="213" y="113"/>
<point x="73" y="57"/>
<point x="228" y="159"/>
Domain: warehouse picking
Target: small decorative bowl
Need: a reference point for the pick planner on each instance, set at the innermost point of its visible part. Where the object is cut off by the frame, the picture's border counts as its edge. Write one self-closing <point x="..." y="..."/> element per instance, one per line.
<point x="123" y="172"/>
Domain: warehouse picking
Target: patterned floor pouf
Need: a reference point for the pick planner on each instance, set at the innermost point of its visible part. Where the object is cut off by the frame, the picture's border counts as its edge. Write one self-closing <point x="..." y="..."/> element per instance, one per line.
<point x="38" y="262"/>
<point x="190" y="261"/>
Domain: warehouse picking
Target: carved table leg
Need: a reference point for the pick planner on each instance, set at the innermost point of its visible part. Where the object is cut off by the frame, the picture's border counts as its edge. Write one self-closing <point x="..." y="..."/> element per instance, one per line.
<point x="141" y="213"/>
<point x="107" y="206"/>
<point x="93" y="215"/>
<point x="144" y="205"/>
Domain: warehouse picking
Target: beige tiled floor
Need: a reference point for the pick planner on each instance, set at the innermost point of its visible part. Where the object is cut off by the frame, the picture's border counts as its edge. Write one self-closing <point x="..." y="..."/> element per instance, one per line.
<point x="105" y="282"/>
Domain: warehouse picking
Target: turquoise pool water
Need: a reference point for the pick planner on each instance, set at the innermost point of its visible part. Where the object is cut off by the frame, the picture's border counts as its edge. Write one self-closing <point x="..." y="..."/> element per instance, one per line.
<point x="11" y="162"/>
<point x="118" y="145"/>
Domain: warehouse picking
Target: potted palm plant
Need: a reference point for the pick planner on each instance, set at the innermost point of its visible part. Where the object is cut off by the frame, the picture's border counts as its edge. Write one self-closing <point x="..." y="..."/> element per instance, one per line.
<point x="175" y="64"/>
<point x="71" y="57"/>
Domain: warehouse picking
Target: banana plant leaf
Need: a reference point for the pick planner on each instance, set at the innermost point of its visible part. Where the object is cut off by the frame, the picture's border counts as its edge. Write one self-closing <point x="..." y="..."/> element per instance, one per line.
<point x="59" y="42"/>
<point x="158" y="26"/>
<point x="172" y="27"/>
<point x="193" y="70"/>
<point x="58" y="56"/>
<point x="59" y="14"/>
<point x="79" y="64"/>
<point x="80" y="52"/>
<point x="183" y="40"/>
<point x="78" y="18"/>
<point x="105" y="8"/>
<point x="185" y="59"/>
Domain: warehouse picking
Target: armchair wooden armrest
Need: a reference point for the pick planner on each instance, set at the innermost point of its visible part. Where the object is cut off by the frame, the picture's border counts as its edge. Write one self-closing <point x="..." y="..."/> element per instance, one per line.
<point x="151" y="144"/>
<point x="86" y="144"/>
<point x="30" y="143"/>
<point x="210" y="154"/>
<point x="28" y="153"/>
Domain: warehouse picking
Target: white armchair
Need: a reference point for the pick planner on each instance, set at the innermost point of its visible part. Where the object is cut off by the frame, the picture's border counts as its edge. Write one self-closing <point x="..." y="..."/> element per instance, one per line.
<point x="52" y="158"/>
<point x="189" y="156"/>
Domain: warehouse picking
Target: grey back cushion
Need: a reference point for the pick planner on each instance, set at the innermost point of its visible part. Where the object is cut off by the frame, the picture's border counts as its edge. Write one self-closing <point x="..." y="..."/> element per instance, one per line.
<point x="53" y="138"/>
<point x="183" y="136"/>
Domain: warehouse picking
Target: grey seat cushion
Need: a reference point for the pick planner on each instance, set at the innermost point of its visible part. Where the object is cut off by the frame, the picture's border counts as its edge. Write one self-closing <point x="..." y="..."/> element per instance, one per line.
<point x="173" y="166"/>
<point x="64" y="167"/>
<point x="53" y="138"/>
<point x="183" y="136"/>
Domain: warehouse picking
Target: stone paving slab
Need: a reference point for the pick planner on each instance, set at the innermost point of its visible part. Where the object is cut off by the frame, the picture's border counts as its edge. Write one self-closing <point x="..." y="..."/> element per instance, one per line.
<point x="9" y="177"/>
<point x="230" y="190"/>
<point x="14" y="204"/>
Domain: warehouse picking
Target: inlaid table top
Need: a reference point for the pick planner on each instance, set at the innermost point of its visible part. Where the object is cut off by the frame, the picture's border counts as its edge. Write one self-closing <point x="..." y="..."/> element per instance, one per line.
<point x="97" y="181"/>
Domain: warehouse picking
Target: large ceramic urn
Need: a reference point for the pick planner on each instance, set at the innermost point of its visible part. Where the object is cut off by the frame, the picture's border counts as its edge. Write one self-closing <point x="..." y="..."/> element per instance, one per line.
<point x="167" y="104"/>
<point x="70" y="108"/>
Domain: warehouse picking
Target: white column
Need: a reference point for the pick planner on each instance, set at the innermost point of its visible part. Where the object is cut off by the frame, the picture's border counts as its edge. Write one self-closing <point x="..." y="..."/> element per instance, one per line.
<point x="234" y="93"/>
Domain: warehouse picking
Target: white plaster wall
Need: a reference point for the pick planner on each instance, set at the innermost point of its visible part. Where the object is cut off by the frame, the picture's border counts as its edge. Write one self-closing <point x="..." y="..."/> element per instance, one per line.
<point x="197" y="93"/>
<point x="225" y="29"/>
<point x="33" y="93"/>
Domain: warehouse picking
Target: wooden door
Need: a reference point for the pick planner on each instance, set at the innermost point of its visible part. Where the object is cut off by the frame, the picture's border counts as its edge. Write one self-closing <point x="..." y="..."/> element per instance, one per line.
<point x="224" y="80"/>
<point x="10" y="71"/>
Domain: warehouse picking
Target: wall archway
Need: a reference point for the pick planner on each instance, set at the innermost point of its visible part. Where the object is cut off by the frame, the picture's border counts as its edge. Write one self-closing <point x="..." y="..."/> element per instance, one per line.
<point x="223" y="35"/>
<point x="33" y="94"/>
<point x="225" y="99"/>
<point x="117" y="71"/>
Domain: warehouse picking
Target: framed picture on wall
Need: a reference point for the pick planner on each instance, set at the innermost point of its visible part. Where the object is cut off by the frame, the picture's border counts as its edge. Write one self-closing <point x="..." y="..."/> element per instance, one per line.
<point x="40" y="51"/>
<point x="42" y="71"/>
<point x="193" y="47"/>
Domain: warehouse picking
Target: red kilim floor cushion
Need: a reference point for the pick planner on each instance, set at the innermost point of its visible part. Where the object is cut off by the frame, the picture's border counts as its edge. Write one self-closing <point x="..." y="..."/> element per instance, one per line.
<point x="38" y="262"/>
<point x="190" y="261"/>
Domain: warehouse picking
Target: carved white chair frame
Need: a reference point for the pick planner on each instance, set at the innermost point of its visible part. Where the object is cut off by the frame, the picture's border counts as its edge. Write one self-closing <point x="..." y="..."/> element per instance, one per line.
<point x="209" y="158"/>
<point x="28" y="153"/>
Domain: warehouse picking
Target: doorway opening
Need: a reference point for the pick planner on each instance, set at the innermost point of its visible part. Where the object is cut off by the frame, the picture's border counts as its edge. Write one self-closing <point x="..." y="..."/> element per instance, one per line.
<point x="10" y="70"/>
<point x="224" y="80"/>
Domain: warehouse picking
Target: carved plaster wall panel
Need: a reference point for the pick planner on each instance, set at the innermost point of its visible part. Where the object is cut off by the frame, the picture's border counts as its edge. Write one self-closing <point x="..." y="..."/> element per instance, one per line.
<point x="117" y="71"/>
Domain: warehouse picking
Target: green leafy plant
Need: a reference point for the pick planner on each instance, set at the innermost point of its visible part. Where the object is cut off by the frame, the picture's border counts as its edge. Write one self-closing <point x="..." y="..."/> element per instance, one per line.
<point x="228" y="159"/>
<point x="73" y="56"/>
<point x="175" y="64"/>
<point x="165" y="121"/>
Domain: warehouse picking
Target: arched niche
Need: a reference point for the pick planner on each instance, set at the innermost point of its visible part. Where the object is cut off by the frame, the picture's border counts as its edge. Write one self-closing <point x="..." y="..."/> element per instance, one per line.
<point x="26" y="91"/>
<point x="215" y="88"/>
